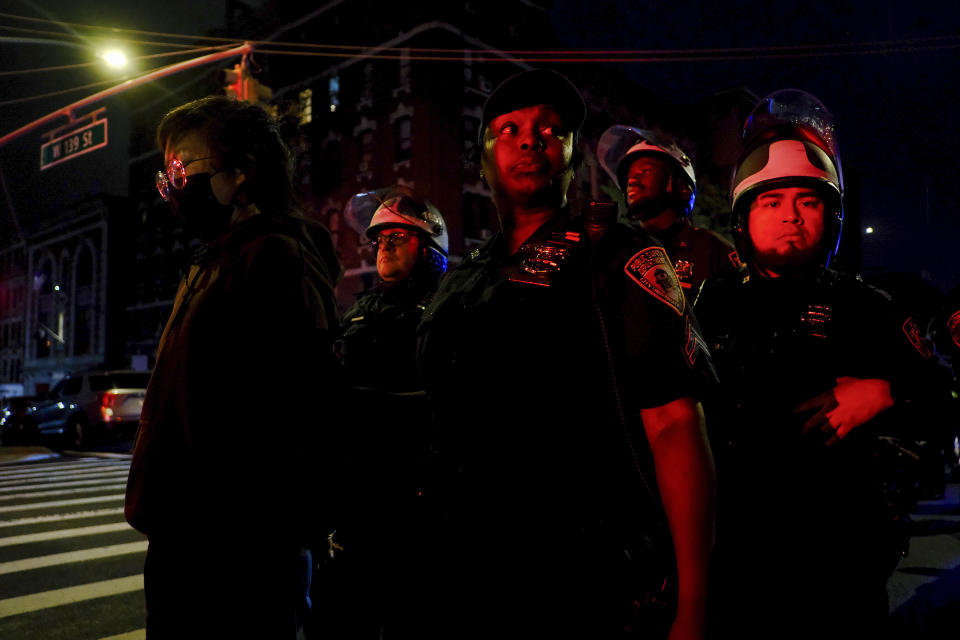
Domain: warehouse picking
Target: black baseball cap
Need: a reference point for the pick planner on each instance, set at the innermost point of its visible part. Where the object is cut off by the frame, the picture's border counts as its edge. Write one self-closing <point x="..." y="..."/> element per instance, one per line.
<point x="537" y="86"/>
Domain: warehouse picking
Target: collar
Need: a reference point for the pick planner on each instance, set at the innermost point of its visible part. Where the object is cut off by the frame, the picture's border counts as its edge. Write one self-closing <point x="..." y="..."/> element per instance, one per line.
<point x="496" y="250"/>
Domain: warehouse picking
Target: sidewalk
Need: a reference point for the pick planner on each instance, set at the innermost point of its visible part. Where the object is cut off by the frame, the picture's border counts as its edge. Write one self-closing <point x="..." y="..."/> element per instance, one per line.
<point x="925" y="589"/>
<point x="13" y="455"/>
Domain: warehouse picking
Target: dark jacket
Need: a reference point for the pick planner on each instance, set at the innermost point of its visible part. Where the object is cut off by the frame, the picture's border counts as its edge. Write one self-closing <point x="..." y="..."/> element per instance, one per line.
<point x="244" y="361"/>
<point x="535" y="487"/>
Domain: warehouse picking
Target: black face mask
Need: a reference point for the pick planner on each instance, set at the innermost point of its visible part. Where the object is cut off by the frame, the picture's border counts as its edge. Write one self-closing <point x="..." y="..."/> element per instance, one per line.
<point x="199" y="210"/>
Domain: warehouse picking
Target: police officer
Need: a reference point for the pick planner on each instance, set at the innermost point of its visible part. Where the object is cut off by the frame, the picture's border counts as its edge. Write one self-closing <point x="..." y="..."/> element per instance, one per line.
<point x="811" y="363"/>
<point x="550" y="363"/>
<point x="358" y="592"/>
<point x="410" y="237"/>
<point x="658" y="181"/>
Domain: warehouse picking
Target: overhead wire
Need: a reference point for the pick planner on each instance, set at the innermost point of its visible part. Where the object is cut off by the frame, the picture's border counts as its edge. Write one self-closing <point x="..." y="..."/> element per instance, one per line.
<point x="90" y="85"/>
<point x="873" y="46"/>
<point x="82" y="37"/>
<point x="81" y="65"/>
<point x="608" y="58"/>
<point x="907" y="45"/>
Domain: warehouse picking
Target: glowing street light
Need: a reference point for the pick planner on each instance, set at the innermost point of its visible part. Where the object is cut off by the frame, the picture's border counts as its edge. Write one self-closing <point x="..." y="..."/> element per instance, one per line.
<point x="869" y="229"/>
<point x="114" y="58"/>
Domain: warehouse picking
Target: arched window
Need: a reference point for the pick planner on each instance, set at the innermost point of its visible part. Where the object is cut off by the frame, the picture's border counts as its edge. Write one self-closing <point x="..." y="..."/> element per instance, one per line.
<point x="45" y="310"/>
<point x="85" y="305"/>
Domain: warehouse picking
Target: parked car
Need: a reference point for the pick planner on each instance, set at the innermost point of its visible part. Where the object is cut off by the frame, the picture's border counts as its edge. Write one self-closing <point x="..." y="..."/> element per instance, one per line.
<point x="88" y="406"/>
<point x="15" y="430"/>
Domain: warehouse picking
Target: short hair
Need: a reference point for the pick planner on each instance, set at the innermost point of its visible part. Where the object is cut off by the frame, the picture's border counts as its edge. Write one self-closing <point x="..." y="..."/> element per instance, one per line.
<point x="245" y="137"/>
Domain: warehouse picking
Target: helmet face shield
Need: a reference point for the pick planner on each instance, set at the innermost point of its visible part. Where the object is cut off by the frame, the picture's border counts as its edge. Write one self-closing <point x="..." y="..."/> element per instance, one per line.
<point x="620" y="145"/>
<point x="370" y="211"/>
<point x="789" y="141"/>
<point x="792" y="113"/>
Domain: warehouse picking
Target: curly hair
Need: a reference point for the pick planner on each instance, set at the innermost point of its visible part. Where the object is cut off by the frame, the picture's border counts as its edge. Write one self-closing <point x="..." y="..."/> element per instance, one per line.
<point x="244" y="137"/>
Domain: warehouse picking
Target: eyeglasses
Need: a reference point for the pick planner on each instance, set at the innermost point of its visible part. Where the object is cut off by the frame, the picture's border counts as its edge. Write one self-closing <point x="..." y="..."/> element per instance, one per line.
<point x="393" y="239"/>
<point x="176" y="176"/>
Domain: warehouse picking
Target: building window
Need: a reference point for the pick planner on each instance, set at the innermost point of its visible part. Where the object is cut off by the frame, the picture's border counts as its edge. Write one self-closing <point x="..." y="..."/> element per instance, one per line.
<point x="471" y="128"/>
<point x="85" y="321"/>
<point x="306" y="106"/>
<point x="366" y="96"/>
<point x="403" y="138"/>
<point x="43" y="281"/>
<point x="478" y="219"/>
<point x="334" y="89"/>
<point x="366" y="151"/>
<point x="404" y="85"/>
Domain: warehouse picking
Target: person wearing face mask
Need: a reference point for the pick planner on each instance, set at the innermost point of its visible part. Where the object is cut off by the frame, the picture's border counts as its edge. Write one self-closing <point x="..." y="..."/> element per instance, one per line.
<point x="224" y="477"/>
<point x="556" y="361"/>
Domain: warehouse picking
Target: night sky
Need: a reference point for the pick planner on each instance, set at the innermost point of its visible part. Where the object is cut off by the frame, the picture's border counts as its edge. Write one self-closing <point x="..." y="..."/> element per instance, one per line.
<point x="897" y="113"/>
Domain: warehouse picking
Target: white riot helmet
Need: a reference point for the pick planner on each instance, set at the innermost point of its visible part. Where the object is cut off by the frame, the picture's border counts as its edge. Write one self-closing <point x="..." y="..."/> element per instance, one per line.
<point x="789" y="141"/>
<point x="621" y="145"/>
<point x="398" y="206"/>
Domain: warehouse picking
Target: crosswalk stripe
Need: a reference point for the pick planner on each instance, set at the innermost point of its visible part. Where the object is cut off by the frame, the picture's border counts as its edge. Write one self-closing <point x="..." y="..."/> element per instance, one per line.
<point x="57" y="517"/>
<point x="70" y="475"/>
<point x="137" y="634"/>
<point x="96" y="553"/>
<point x="59" y="503"/>
<point x="61" y="485"/>
<point x="49" y="473"/>
<point x="60" y="534"/>
<point x="53" y="467"/>
<point x="69" y="595"/>
<point x="63" y="492"/>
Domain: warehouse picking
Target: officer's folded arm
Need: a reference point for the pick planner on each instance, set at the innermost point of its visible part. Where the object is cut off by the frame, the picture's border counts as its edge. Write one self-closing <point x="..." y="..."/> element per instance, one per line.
<point x="853" y="402"/>
<point x="686" y="481"/>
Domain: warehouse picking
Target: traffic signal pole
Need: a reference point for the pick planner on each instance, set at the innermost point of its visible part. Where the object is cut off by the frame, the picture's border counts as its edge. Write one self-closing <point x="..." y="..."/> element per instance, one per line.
<point x="69" y="110"/>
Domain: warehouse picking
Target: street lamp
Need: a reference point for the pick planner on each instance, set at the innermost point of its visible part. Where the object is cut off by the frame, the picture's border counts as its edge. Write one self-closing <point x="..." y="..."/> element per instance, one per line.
<point x="114" y="58"/>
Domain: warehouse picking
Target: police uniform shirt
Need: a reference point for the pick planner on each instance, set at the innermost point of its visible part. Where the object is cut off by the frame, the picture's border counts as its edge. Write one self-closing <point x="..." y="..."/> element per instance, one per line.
<point x="697" y="254"/>
<point x="536" y="497"/>
<point x="518" y="366"/>
<point x="777" y="343"/>
<point x="378" y="346"/>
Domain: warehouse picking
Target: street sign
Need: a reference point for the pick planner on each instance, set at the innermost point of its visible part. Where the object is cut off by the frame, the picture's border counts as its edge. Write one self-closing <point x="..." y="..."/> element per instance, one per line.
<point x="76" y="143"/>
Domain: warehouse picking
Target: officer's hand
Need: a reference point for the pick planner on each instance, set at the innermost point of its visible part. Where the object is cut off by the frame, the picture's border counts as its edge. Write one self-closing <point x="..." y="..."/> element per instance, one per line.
<point x="848" y="405"/>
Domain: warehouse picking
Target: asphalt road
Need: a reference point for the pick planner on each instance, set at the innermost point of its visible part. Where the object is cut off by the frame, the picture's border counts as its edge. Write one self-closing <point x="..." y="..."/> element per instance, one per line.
<point x="71" y="568"/>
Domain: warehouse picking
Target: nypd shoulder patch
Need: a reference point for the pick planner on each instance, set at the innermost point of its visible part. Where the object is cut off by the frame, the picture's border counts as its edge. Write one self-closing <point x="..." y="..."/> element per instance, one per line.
<point x="912" y="331"/>
<point x="953" y="325"/>
<point x="651" y="269"/>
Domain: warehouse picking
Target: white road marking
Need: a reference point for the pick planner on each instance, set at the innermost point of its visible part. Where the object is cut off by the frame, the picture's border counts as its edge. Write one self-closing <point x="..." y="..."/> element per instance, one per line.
<point x="59" y="503"/>
<point x="60" y="534"/>
<point x="53" y="560"/>
<point x="137" y="634"/>
<point x="56" y="484"/>
<point x="99" y="454"/>
<point x="79" y="474"/>
<point x="69" y="595"/>
<point x="57" y="517"/>
<point x="60" y="485"/>
<point x="63" y="492"/>
<point x="64" y="464"/>
<point x="53" y="473"/>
